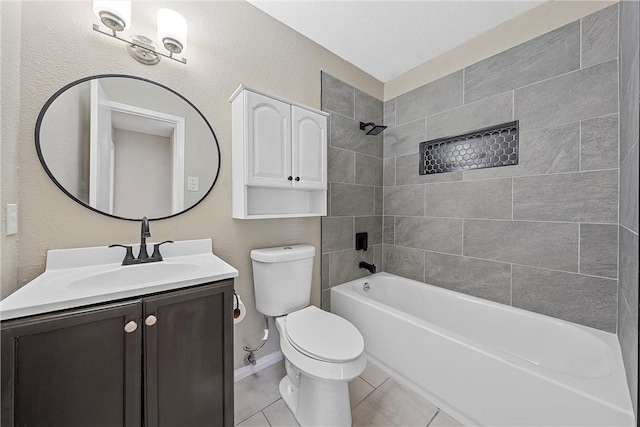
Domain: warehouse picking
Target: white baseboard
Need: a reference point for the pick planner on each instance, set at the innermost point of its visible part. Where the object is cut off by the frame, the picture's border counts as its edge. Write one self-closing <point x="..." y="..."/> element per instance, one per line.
<point x="261" y="363"/>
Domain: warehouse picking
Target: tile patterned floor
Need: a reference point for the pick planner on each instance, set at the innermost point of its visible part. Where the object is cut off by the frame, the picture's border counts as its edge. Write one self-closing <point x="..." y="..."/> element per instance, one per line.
<point x="376" y="400"/>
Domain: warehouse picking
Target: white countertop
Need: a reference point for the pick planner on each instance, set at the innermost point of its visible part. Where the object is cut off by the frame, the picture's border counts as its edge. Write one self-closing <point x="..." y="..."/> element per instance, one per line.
<point x="84" y="276"/>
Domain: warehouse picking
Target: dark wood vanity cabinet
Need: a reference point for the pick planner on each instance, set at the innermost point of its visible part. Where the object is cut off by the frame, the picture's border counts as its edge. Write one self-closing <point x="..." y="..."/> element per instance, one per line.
<point x="157" y="360"/>
<point x="188" y="357"/>
<point x="77" y="368"/>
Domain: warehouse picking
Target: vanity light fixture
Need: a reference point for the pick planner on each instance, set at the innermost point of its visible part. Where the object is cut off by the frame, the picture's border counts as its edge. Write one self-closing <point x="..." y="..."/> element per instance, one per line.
<point x="172" y="31"/>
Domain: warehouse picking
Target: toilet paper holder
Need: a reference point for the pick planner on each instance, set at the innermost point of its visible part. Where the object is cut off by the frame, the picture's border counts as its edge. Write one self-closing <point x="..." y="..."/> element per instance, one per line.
<point x="236" y="306"/>
<point x="239" y="310"/>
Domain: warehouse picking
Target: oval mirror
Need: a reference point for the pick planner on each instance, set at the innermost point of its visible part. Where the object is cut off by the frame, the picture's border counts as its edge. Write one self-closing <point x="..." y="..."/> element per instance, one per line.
<point x="127" y="147"/>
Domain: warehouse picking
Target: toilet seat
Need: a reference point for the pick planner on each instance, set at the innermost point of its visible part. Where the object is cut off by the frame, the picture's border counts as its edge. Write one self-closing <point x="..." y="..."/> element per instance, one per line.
<point x="315" y="368"/>
<point x="323" y="336"/>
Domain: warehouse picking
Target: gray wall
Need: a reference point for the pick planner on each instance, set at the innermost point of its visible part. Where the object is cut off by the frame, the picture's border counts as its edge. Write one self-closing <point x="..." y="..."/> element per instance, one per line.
<point x="355" y="184"/>
<point x="628" y="229"/>
<point x="542" y="235"/>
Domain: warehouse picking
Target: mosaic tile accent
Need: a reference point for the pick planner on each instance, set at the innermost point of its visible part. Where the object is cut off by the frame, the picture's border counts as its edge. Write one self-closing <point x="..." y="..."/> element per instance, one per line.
<point x="485" y="148"/>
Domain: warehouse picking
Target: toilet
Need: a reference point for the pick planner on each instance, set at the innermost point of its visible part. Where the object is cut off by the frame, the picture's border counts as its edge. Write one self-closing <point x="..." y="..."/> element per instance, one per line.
<point x="322" y="351"/>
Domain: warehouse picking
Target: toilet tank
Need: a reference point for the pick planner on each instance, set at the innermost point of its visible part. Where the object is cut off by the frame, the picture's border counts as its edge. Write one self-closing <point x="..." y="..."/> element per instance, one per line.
<point x="282" y="278"/>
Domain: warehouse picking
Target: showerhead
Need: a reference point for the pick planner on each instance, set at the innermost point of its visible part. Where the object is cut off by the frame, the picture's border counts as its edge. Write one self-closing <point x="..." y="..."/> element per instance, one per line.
<point x="375" y="129"/>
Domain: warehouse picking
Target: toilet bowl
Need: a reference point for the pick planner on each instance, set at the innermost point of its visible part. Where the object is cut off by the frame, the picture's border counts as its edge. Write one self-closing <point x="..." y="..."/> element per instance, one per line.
<point x="319" y="368"/>
<point x="322" y="351"/>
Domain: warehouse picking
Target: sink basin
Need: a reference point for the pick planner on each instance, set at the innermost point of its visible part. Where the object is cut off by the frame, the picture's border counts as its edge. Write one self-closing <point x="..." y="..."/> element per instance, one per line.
<point x="133" y="275"/>
<point x="85" y="276"/>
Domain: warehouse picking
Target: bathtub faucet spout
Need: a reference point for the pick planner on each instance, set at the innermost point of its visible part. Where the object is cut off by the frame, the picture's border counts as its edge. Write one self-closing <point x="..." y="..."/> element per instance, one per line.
<point x="370" y="267"/>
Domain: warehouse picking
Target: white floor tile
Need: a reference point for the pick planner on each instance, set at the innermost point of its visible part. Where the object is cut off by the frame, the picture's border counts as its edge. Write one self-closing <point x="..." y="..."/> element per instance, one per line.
<point x="394" y="405"/>
<point x="258" y="420"/>
<point x="279" y="415"/>
<point x="258" y="391"/>
<point x="376" y="400"/>
<point x="358" y="390"/>
<point x="366" y="414"/>
<point x="444" y="420"/>
<point x="374" y="375"/>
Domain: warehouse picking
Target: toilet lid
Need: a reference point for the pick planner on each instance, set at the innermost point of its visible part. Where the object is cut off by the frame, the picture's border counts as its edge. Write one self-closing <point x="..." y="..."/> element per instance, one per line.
<point x="323" y="335"/>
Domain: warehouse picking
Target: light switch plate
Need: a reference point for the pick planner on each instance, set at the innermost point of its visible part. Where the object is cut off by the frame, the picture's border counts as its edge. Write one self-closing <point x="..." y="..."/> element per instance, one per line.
<point x="192" y="183"/>
<point x="11" y="219"/>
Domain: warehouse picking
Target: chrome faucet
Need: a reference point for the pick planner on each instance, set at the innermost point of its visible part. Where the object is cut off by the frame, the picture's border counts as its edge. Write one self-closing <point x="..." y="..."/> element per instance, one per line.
<point x="367" y="266"/>
<point x="144" y="233"/>
<point x="143" y="255"/>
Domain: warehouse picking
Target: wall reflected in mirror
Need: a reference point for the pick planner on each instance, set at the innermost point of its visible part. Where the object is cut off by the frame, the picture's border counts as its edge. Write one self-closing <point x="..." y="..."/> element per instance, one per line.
<point x="127" y="147"/>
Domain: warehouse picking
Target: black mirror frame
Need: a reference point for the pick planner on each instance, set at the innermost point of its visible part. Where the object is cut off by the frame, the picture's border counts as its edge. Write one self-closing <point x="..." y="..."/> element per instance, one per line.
<point x="84" y="79"/>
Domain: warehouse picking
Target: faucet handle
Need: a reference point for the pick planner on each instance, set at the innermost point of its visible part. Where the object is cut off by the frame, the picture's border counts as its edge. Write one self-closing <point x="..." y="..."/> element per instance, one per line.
<point x="129" y="255"/>
<point x="156" y="250"/>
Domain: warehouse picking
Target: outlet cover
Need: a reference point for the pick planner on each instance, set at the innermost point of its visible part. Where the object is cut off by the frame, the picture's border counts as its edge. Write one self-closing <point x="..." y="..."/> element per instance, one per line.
<point x="192" y="183"/>
<point x="11" y="219"/>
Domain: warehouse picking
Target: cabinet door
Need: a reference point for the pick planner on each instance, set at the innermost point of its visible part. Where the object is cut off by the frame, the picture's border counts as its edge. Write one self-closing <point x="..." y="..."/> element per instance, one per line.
<point x="189" y="357"/>
<point x="79" y="368"/>
<point x="268" y="134"/>
<point x="309" y="149"/>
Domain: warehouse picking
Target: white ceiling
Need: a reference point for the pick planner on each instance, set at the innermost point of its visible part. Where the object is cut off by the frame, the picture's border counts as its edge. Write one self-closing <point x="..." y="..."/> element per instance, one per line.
<point x="387" y="38"/>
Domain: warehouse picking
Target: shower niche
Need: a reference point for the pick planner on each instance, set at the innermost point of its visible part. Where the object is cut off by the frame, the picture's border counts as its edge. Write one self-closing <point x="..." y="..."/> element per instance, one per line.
<point x="483" y="148"/>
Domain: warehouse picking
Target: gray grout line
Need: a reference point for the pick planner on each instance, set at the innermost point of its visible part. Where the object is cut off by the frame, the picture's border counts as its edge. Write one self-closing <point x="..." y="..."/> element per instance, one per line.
<point x="433" y="418"/>
<point x="511" y="289"/>
<point x="580" y="47"/>
<point x="575" y="121"/>
<point x="265" y="415"/>
<point x="510" y="262"/>
<point x="354" y="102"/>
<point x="579" y="244"/>
<point x="619" y="165"/>
<point x="464" y="80"/>
<point x="461" y="246"/>
<point x="580" y="144"/>
<point x="424" y="266"/>
<point x="512" y="185"/>
<point x="503" y="219"/>
<point x="395" y="170"/>
<point x="516" y="177"/>
<point x="567" y="73"/>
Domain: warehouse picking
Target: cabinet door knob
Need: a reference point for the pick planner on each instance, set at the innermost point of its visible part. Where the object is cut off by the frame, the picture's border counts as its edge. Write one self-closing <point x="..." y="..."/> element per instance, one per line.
<point x="290" y="178"/>
<point x="297" y="178"/>
<point x="130" y="326"/>
<point x="150" y="320"/>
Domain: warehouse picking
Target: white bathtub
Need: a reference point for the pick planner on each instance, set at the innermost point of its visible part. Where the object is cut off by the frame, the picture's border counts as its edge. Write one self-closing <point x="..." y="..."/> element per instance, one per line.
<point x="487" y="363"/>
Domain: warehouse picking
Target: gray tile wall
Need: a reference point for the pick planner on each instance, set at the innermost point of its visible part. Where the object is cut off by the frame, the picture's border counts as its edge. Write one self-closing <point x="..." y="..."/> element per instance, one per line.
<point x="556" y="234"/>
<point x="541" y="235"/>
<point x="355" y="173"/>
<point x="629" y="94"/>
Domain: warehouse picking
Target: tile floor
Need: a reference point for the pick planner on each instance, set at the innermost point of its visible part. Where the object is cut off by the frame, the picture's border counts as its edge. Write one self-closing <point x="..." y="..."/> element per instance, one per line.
<point x="376" y="400"/>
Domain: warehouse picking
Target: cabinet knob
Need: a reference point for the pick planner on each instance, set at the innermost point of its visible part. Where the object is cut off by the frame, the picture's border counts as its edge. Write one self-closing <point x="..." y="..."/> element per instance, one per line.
<point x="297" y="178"/>
<point x="290" y="178"/>
<point x="130" y="326"/>
<point x="150" y="320"/>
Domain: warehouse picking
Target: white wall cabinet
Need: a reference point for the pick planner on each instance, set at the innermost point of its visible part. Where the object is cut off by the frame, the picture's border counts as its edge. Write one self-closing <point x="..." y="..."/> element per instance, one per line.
<point x="279" y="151"/>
